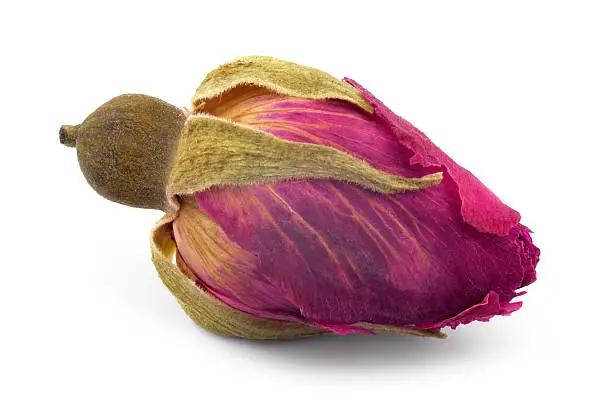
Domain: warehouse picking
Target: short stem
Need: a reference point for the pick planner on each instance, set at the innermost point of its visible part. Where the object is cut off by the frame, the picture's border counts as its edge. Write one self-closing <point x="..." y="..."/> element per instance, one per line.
<point x="68" y="135"/>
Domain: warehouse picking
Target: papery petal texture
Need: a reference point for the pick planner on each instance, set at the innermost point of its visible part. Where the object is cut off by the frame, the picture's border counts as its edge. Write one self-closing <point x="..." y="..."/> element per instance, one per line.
<point x="332" y="254"/>
<point x="480" y="207"/>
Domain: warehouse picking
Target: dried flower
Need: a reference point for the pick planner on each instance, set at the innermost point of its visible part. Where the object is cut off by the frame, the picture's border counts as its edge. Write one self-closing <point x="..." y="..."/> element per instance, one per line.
<point x="300" y="204"/>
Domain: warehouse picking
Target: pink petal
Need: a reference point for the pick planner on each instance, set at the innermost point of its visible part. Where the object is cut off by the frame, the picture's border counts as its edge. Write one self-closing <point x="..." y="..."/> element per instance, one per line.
<point x="343" y="255"/>
<point x="483" y="311"/>
<point x="331" y="254"/>
<point x="480" y="207"/>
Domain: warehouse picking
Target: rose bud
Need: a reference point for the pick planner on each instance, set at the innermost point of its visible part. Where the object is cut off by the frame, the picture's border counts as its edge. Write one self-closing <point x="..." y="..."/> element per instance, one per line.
<point x="298" y="204"/>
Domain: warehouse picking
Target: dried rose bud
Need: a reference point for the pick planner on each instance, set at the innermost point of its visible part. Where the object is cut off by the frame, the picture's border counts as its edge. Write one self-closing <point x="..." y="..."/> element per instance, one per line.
<point x="298" y="204"/>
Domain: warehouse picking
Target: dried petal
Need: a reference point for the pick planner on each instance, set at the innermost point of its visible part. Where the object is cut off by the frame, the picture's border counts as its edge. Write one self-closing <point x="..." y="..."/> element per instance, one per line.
<point x="480" y="207"/>
<point x="281" y="77"/>
<point x="342" y="255"/>
<point x="206" y="244"/>
<point x="214" y="151"/>
<point x="333" y="254"/>
<point x="206" y="309"/>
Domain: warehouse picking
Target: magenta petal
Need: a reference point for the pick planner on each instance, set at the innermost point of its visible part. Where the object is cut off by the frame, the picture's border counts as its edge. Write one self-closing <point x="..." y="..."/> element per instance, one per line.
<point x="530" y="255"/>
<point x="480" y="207"/>
<point x="482" y="311"/>
<point x="343" y="255"/>
<point x="331" y="254"/>
<point x="334" y="124"/>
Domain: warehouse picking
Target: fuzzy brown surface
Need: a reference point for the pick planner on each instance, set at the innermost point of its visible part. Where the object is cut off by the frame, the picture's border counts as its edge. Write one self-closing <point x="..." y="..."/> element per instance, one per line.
<point x="126" y="149"/>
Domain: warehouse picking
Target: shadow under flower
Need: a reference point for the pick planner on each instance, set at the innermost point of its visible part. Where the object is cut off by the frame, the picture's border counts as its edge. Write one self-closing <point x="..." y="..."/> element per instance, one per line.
<point x="383" y="350"/>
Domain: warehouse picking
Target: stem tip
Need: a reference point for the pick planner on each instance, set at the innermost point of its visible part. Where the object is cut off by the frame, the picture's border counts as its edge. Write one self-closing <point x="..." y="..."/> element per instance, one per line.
<point x="68" y="135"/>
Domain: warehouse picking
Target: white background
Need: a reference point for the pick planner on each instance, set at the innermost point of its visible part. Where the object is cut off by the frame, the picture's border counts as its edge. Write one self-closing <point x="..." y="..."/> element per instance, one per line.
<point x="518" y="92"/>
